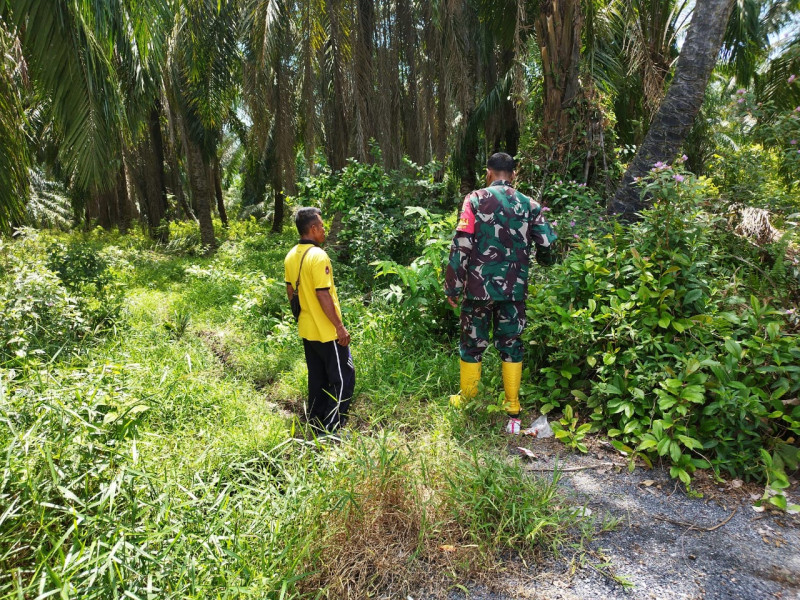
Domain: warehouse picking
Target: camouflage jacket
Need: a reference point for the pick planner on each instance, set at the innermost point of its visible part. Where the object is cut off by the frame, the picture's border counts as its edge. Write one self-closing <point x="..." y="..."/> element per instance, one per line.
<point x="491" y="250"/>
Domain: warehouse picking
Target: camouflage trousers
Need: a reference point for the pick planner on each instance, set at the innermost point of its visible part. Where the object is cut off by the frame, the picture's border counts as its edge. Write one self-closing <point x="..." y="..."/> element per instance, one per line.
<point x="478" y="316"/>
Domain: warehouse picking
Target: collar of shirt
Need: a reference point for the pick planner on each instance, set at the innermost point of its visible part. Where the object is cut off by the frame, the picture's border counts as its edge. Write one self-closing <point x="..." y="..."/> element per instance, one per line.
<point x="304" y="241"/>
<point x="500" y="182"/>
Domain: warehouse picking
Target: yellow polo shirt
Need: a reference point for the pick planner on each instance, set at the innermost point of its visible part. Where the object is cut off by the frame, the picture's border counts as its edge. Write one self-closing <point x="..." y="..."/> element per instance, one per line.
<point x="316" y="274"/>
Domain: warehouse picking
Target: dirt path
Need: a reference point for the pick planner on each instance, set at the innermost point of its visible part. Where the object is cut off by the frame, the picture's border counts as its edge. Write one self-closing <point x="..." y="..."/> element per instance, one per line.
<point x="666" y="544"/>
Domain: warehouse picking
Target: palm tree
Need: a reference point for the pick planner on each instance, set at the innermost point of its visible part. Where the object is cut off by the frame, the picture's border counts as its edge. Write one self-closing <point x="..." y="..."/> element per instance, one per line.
<point x="14" y="158"/>
<point x="200" y="88"/>
<point x="771" y="84"/>
<point x="558" y="32"/>
<point x="95" y="67"/>
<point x="747" y="44"/>
<point x="683" y="100"/>
<point x="270" y="96"/>
<point x="66" y="45"/>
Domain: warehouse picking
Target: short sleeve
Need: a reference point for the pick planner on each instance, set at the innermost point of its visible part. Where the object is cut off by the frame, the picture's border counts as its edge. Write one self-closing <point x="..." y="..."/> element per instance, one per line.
<point x="466" y="220"/>
<point x="321" y="271"/>
<point x="286" y="277"/>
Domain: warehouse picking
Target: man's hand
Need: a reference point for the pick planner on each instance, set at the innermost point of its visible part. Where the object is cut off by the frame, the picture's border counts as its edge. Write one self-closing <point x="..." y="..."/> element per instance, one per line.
<point x="452" y="301"/>
<point x="342" y="336"/>
<point x="326" y="302"/>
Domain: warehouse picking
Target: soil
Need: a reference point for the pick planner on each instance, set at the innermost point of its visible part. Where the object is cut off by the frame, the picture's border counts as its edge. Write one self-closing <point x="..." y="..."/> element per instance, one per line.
<point x="667" y="544"/>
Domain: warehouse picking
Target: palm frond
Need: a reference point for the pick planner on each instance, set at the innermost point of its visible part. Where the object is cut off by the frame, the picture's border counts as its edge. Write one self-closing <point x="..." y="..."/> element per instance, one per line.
<point x="773" y="84"/>
<point x="206" y="56"/>
<point x="49" y="205"/>
<point x="490" y="104"/>
<point x="14" y="155"/>
<point x="71" y="64"/>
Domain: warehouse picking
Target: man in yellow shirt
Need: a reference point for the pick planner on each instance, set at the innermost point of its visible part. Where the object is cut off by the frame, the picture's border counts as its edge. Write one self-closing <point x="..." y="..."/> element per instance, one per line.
<point x="331" y="374"/>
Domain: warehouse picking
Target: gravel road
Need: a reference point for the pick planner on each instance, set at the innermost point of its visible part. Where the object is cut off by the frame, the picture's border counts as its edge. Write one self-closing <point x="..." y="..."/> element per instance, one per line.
<point x="666" y="545"/>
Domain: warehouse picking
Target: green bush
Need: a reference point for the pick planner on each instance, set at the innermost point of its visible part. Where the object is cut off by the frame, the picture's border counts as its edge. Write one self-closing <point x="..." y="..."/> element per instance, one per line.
<point x="372" y="204"/>
<point x="47" y="310"/>
<point x="757" y="157"/>
<point x="650" y="333"/>
<point x="418" y="287"/>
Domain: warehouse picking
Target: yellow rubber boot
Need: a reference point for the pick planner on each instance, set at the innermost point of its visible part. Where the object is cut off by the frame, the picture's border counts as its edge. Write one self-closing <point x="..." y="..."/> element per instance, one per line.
<point x="512" y="376"/>
<point x="470" y="377"/>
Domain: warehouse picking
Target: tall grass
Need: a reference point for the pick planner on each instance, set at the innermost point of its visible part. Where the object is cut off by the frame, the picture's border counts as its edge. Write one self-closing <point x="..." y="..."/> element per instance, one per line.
<point x="147" y="464"/>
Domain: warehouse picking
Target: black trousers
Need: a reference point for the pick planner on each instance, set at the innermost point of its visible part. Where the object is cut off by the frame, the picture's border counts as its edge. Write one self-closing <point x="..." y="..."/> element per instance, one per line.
<point x="331" y="381"/>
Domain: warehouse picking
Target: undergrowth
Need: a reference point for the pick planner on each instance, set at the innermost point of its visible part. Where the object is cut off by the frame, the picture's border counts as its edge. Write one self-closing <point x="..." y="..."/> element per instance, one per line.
<point x="147" y="449"/>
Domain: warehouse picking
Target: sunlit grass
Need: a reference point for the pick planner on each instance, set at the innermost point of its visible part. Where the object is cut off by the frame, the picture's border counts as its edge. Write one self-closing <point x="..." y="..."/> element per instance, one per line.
<point x="163" y="461"/>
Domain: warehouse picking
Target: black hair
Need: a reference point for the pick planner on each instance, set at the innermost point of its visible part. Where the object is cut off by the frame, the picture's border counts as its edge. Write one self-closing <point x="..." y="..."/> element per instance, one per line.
<point x="500" y="162"/>
<point x="305" y="217"/>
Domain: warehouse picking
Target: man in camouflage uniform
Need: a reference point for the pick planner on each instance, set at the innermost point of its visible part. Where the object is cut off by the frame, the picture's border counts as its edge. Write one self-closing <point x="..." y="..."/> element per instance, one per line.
<point x="488" y="269"/>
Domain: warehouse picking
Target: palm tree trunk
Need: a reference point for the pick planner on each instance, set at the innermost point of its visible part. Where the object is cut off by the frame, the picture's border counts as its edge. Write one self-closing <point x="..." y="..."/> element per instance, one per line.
<point x="156" y="184"/>
<point x="123" y="202"/>
<point x="338" y="137"/>
<point x="277" y="216"/>
<point x="197" y="169"/>
<point x="146" y="179"/>
<point x="149" y="177"/>
<point x="470" y="149"/>
<point x="97" y="207"/>
<point x="223" y="214"/>
<point x="364" y="88"/>
<point x="682" y="103"/>
<point x="558" y="30"/>
<point x="173" y="149"/>
<point x="509" y="136"/>
<point x="413" y="125"/>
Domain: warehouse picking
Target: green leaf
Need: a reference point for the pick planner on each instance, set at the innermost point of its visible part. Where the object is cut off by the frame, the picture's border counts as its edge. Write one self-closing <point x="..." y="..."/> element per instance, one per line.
<point x="694" y="393"/>
<point x="621" y="447"/>
<point x="680" y="474"/>
<point x="663" y="446"/>
<point x="773" y="330"/>
<point x="690" y="442"/>
<point x="580" y="395"/>
<point x="692" y="365"/>
<point x="664" y="322"/>
<point x="546" y="408"/>
<point x="591" y="360"/>
<point x="674" y="451"/>
<point x="734" y="348"/>
<point x="692" y="296"/>
<point x="780" y="482"/>
<point x="778" y="500"/>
